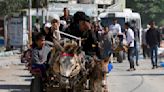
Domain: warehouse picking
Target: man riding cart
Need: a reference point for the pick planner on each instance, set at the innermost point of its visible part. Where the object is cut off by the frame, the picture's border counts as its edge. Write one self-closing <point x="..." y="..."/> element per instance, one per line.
<point x="67" y="67"/>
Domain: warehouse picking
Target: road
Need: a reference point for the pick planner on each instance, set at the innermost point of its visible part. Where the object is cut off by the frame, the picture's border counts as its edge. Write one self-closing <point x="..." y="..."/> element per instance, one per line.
<point x="144" y="79"/>
<point x="14" y="78"/>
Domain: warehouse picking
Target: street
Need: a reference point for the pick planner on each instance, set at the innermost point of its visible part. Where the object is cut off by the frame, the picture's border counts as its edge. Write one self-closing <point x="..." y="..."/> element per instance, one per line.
<point x="14" y="78"/>
<point x="67" y="37"/>
<point x="144" y="79"/>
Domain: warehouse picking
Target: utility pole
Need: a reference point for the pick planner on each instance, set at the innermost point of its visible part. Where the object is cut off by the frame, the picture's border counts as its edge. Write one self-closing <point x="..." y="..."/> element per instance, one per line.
<point x="37" y="8"/>
<point x="6" y="31"/>
<point x="44" y="5"/>
<point x="30" y="23"/>
<point x="47" y="5"/>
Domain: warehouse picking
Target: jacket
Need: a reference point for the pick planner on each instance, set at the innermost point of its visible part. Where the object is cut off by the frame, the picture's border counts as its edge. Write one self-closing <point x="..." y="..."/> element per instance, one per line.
<point x="89" y="37"/>
<point x="152" y="37"/>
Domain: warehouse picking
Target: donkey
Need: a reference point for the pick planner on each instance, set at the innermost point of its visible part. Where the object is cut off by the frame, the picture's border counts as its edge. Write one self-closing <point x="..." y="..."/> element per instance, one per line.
<point x="98" y="75"/>
<point x="67" y="65"/>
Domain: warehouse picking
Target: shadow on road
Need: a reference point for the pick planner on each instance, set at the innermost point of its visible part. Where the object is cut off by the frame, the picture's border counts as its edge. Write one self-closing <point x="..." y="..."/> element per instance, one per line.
<point x="147" y="75"/>
<point x="20" y="91"/>
<point x="2" y="80"/>
<point x="24" y="75"/>
<point x="15" y="88"/>
<point x="27" y="79"/>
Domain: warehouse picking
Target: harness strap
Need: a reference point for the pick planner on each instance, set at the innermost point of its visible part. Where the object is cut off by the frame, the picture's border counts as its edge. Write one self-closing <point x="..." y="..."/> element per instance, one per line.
<point x="66" y="54"/>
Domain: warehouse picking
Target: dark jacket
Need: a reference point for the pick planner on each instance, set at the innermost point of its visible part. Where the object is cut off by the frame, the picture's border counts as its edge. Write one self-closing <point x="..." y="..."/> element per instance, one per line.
<point x="153" y="37"/>
<point x="68" y="19"/>
<point x="74" y="30"/>
<point x="136" y="33"/>
<point x="49" y="36"/>
<point x="89" y="37"/>
<point x="90" y="44"/>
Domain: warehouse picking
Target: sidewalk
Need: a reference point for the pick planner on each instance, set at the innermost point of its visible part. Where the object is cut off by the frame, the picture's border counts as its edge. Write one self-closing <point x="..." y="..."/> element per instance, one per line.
<point x="9" y="53"/>
<point x="8" y="60"/>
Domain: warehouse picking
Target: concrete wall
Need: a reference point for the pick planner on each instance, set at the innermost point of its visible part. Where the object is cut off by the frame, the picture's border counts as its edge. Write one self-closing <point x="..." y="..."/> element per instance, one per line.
<point x="118" y="6"/>
<point x="85" y="1"/>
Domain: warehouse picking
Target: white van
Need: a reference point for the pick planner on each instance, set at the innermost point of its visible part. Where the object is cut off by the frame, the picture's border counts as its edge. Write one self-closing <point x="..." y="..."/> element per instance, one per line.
<point x="126" y="16"/>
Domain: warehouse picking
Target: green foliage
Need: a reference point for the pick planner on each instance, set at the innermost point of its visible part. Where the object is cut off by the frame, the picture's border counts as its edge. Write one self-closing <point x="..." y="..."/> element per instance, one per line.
<point x="9" y="6"/>
<point x="149" y="9"/>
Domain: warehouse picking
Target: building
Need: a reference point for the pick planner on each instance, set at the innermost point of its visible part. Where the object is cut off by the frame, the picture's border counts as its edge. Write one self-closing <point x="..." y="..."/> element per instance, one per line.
<point x="95" y="7"/>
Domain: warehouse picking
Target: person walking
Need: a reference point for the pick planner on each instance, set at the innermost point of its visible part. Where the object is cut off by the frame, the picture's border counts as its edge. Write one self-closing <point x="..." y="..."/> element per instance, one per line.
<point x="130" y="43"/>
<point x="136" y="41"/>
<point x="153" y="41"/>
<point x="145" y="49"/>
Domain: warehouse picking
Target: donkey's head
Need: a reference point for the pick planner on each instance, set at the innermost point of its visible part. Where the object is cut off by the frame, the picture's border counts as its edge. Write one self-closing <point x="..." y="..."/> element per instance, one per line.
<point x="69" y="62"/>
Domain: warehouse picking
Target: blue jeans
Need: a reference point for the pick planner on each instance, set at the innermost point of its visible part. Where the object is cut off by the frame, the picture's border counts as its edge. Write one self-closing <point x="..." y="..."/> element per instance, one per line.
<point x="131" y="52"/>
<point x="136" y="45"/>
<point x="154" y="56"/>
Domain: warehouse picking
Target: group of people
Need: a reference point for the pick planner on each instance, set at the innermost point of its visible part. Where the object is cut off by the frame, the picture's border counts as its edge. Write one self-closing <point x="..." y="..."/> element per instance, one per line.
<point x="97" y="41"/>
<point x="151" y="39"/>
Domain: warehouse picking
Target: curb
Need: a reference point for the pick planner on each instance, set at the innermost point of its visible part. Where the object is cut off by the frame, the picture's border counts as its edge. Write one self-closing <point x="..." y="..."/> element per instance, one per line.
<point x="9" y="53"/>
<point x="12" y="60"/>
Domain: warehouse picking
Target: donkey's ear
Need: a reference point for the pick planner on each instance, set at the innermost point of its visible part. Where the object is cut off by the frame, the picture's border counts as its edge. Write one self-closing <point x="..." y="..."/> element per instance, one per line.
<point x="78" y="50"/>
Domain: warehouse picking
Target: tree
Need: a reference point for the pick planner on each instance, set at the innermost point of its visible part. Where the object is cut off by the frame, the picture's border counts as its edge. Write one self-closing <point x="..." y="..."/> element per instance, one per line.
<point x="10" y="6"/>
<point x="149" y="10"/>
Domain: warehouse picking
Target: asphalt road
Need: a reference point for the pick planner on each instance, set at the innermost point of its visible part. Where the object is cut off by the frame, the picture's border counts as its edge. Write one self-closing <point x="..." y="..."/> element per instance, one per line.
<point x="14" y="78"/>
<point x="144" y="79"/>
